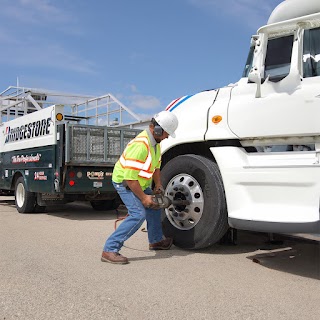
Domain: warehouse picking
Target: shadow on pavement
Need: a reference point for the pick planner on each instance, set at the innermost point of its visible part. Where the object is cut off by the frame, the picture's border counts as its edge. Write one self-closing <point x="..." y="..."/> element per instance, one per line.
<point x="284" y="253"/>
<point x="81" y="211"/>
<point x="7" y="203"/>
<point x="73" y="211"/>
<point x="161" y="254"/>
<point x="297" y="256"/>
<point x="287" y="254"/>
<point x="247" y="243"/>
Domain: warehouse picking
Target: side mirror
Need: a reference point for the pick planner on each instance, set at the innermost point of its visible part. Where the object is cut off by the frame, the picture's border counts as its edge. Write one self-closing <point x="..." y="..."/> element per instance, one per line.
<point x="254" y="76"/>
<point x="254" y="40"/>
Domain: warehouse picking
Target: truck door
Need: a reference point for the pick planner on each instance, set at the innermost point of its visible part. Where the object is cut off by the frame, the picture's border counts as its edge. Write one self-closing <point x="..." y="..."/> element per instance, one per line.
<point x="289" y="103"/>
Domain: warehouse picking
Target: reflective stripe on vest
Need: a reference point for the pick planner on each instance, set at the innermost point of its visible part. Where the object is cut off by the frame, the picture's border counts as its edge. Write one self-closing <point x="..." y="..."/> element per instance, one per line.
<point x="135" y="164"/>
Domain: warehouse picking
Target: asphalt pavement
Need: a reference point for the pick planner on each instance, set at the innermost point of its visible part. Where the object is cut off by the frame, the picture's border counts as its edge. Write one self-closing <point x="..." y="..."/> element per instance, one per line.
<point x="50" y="269"/>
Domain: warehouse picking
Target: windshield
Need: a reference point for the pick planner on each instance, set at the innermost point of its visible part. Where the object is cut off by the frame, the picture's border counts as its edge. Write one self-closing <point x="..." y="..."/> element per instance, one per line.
<point x="278" y="58"/>
<point x="311" y="53"/>
<point x="248" y="63"/>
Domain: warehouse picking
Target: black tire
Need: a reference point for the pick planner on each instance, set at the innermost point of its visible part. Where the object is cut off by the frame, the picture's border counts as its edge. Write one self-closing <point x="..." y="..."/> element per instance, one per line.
<point x="104" y="205"/>
<point x="25" y="201"/>
<point x="204" y="221"/>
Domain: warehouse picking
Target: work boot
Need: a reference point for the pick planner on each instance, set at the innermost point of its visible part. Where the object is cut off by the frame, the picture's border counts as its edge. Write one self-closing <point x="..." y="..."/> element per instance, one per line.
<point x="164" y="244"/>
<point x="114" y="257"/>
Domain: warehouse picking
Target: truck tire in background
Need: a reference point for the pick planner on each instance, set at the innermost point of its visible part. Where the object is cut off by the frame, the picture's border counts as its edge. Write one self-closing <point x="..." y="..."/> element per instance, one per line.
<point x="204" y="221"/>
<point x="25" y="201"/>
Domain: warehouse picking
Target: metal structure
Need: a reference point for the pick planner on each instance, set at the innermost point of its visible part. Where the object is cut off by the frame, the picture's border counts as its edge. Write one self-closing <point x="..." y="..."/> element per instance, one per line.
<point x="89" y="144"/>
<point x="105" y="110"/>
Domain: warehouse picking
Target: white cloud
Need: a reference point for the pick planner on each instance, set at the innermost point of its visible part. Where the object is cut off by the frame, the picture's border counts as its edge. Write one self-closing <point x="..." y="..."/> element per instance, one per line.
<point x="146" y="116"/>
<point x="133" y="88"/>
<point x="136" y="56"/>
<point x="48" y="55"/>
<point x="34" y="11"/>
<point x="254" y="13"/>
<point x="143" y="105"/>
<point x="6" y="38"/>
<point x="24" y="44"/>
<point x="144" y="102"/>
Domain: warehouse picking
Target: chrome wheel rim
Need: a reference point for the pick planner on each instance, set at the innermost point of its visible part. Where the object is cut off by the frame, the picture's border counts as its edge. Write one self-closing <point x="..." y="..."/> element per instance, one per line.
<point x="184" y="187"/>
<point x="20" y="195"/>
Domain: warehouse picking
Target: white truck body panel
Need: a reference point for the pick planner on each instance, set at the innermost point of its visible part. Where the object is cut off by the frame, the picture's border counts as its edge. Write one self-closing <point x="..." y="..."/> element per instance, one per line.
<point x="221" y="130"/>
<point x="289" y="111"/>
<point x="30" y="131"/>
<point x="291" y="9"/>
<point x="192" y="110"/>
<point x="273" y="187"/>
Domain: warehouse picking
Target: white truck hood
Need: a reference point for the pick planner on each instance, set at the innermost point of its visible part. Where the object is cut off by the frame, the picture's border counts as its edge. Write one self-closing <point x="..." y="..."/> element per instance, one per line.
<point x="192" y="113"/>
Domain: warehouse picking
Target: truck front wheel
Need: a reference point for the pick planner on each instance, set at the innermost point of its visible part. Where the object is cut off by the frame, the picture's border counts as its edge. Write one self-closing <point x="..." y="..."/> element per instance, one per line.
<point x="25" y="201"/>
<point x="203" y="221"/>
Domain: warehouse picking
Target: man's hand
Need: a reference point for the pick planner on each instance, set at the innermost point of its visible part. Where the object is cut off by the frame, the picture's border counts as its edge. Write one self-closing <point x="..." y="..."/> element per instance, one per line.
<point x="148" y="202"/>
<point x="144" y="198"/>
<point x="158" y="189"/>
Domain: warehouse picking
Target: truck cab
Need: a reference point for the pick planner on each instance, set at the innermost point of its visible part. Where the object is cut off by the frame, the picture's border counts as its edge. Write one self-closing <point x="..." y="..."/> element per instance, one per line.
<point x="246" y="155"/>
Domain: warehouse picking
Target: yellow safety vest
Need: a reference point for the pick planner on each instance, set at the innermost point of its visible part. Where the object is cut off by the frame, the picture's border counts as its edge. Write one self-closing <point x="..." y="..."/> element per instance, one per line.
<point x="138" y="161"/>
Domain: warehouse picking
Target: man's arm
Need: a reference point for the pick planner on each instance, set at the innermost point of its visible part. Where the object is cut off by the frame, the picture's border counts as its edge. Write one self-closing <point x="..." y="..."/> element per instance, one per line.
<point x="158" y="188"/>
<point x="137" y="190"/>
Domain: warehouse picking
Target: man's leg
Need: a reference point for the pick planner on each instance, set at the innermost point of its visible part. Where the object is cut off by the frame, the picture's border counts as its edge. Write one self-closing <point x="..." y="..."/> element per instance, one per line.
<point x="154" y="227"/>
<point x="135" y="218"/>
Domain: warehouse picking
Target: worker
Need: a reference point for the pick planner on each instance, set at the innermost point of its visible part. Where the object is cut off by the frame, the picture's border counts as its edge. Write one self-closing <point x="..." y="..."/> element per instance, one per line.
<point x="132" y="177"/>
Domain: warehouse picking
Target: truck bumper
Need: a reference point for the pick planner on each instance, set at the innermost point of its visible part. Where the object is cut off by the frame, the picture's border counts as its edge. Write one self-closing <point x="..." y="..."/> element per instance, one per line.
<point x="275" y="227"/>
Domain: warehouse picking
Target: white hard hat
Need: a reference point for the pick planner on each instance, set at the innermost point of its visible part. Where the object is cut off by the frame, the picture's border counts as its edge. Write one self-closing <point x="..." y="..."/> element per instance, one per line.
<point x="167" y="121"/>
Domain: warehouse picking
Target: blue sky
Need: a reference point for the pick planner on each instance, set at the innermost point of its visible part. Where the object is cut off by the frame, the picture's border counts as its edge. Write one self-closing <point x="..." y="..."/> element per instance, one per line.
<point x="144" y="52"/>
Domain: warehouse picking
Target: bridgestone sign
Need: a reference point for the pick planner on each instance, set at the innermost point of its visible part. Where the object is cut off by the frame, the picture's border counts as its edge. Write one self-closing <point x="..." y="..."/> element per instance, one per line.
<point x="28" y="131"/>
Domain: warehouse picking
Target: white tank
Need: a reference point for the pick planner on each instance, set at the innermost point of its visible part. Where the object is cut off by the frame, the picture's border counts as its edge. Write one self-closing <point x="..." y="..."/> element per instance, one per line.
<point x="291" y="9"/>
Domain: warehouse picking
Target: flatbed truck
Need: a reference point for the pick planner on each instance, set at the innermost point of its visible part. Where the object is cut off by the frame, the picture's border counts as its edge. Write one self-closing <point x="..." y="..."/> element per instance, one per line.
<point x="49" y="157"/>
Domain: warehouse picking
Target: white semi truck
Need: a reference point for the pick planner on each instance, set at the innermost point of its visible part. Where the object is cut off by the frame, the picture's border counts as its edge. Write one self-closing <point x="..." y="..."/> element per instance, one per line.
<point x="247" y="155"/>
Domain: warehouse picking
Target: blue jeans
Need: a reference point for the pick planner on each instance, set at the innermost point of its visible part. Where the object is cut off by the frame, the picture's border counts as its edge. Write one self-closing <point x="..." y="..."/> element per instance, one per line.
<point x="137" y="213"/>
